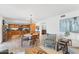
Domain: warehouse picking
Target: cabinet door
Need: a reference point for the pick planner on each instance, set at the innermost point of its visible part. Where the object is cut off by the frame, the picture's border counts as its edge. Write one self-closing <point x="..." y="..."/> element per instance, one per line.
<point x="32" y="28"/>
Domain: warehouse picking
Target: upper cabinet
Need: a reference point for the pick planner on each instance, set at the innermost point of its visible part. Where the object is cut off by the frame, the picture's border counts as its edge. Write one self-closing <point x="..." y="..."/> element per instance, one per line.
<point x="69" y="25"/>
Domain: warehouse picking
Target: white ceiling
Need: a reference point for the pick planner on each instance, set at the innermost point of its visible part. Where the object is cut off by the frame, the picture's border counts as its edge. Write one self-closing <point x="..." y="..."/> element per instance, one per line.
<point x="39" y="11"/>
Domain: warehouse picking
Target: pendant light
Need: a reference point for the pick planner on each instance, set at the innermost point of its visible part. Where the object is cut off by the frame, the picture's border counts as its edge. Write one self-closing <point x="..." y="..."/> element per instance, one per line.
<point x="31" y="19"/>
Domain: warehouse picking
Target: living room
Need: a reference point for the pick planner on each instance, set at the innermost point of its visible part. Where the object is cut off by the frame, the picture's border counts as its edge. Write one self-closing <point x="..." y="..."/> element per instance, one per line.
<point x="39" y="29"/>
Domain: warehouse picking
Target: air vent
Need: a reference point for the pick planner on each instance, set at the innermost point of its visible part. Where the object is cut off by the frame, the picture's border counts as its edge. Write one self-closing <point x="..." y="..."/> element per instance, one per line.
<point x="62" y="16"/>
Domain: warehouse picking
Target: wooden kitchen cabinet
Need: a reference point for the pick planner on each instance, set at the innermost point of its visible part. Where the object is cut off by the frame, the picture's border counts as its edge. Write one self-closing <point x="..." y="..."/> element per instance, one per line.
<point x="11" y="33"/>
<point x="32" y="28"/>
<point x="13" y="26"/>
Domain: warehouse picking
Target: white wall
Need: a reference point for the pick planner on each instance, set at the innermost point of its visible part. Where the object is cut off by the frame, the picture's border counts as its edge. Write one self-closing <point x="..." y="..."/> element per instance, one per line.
<point x="53" y="26"/>
<point x="16" y="21"/>
<point x="0" y="29"/>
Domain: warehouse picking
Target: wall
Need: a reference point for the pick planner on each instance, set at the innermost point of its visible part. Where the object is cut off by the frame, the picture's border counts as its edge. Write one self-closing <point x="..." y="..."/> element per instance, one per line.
<point x="1" y="29"/>
<point x="16" y="21"/>
<point x="52" y="24"/>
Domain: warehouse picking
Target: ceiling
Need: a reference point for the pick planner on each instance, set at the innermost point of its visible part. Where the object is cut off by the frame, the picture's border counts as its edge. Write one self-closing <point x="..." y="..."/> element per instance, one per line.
<point x="38" y="11"/>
